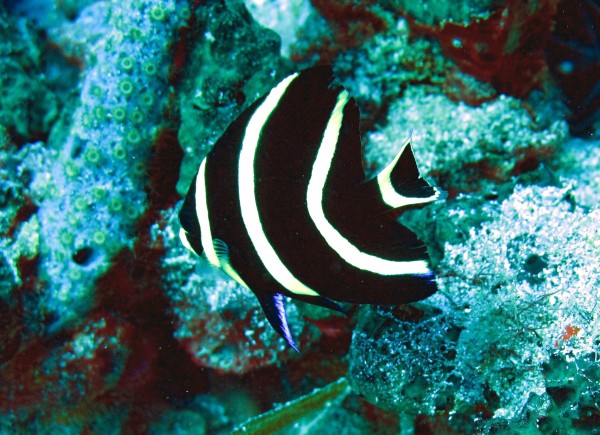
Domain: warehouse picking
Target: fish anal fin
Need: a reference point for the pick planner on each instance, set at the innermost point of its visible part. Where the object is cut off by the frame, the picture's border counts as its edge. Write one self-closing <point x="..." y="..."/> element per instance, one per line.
<point x="274" y="309"/>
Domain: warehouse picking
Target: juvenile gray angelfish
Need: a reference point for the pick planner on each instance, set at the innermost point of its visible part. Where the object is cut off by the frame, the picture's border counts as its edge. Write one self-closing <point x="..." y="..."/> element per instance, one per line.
<point x="282" y="205"/>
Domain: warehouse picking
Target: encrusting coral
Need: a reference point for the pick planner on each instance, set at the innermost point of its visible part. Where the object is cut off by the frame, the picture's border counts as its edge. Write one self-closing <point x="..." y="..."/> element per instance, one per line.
<point x="97" y="174"/>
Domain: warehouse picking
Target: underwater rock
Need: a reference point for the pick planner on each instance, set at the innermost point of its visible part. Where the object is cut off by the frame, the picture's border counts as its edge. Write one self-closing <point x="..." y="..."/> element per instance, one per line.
<point x="578" y="165"/>
<point x="231" y="63"/>
<point x="284" y="17"/>
<point x="62" y="379"/>
<point x="19" y="248"/>
<point x="349" y="24"/>
<point x="27" y="106"/>
<point x="505" y="49"/>
<point x="384" y="342"/>
<point x="222" y="326"/>
<point x="219" y="323"/>
<point x="381" y="69"/>
<point x="517" y="300"/>
<point x="466" y="148"/>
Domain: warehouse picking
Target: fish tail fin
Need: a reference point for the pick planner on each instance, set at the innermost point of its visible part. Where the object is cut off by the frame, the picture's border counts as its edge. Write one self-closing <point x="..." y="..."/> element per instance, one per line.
<point x="400" y="183"/>
<point x="274" y="309"/>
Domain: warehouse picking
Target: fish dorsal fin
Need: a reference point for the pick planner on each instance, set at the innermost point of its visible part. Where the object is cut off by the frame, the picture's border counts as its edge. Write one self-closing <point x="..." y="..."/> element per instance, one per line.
<point x="400" y="183"/>
<point x="274" y="309"/>
<point x="222" y="251"/>
<point x="315" y="112"/>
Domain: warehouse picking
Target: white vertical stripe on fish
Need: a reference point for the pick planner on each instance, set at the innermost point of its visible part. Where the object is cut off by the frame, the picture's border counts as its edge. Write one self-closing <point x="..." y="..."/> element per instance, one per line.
<point x="203" y="220"/>
<point x="346" y="250"/>
<point x="247" y="194"/>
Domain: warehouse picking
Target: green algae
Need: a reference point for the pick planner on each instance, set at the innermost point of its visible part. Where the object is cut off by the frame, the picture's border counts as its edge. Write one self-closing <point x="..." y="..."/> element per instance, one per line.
<point x="292" y="412"/>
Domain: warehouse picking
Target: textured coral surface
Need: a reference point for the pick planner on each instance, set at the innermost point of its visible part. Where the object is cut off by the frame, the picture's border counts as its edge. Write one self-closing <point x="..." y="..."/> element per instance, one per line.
<point x="109" y="325"/>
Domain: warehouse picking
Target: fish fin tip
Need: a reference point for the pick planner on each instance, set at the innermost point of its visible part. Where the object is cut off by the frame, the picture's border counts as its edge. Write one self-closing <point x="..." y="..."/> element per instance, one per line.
<point x="400" y="183"/>
<point x="336" y="307"/>
<point x="322" y="301"/>
<point x="274" y="308"/>
<point x="442" y="195"/>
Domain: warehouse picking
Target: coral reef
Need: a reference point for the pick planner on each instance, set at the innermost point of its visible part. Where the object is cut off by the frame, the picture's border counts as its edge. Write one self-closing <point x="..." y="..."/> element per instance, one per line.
<point x="469" y="148"/>
<point x="97" y="173"/>
<point x="107" y="324"/>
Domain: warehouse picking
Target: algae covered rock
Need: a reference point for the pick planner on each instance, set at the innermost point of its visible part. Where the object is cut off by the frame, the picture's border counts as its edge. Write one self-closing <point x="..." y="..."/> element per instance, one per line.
<point x="232" y="64"/>
<point x="27" y="106"/>
<point x="470" y="148"/>
<point x="516" y="303"/>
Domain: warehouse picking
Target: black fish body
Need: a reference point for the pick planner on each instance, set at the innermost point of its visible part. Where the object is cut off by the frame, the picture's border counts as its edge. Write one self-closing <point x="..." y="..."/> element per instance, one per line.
<point x="282" y="205"/>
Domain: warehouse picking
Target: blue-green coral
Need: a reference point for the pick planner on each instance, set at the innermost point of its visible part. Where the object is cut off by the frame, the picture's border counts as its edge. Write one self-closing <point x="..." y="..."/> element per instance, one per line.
<point x="90" y="186"/>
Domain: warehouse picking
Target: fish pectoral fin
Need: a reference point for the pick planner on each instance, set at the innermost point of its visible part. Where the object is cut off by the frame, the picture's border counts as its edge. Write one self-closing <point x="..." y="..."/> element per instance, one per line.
<point x="222" y="251"/>
<point x="274" y="309"/>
